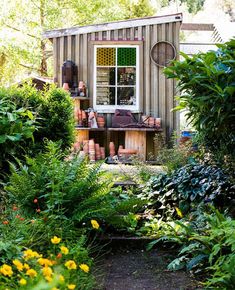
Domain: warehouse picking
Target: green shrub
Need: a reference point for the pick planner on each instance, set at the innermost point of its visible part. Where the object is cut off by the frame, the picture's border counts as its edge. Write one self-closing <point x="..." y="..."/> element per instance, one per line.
<point x="210" y="249"/>
<point x="206" y="81"/>
<point x="66" y="189"/>
<point x="17" y="126"/>
<point x="187" y="187"/>
<point x="53" y="109"/>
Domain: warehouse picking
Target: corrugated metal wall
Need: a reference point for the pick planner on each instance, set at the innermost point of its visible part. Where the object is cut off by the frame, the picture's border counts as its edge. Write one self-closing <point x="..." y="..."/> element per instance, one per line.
<point x="157" y="91"/>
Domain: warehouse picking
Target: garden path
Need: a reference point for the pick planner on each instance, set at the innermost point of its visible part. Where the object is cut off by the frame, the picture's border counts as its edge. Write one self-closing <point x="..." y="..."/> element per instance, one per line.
<point x="136" y="269"/>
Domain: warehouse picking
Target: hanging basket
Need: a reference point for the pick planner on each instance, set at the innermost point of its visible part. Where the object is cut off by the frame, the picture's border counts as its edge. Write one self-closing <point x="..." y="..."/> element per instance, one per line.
<point x="162" y="53"/>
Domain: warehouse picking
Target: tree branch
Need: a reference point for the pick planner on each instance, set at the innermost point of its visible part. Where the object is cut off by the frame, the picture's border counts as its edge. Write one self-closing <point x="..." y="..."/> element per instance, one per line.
<point x="30" y="67"/>
<point x="17" y="29"/>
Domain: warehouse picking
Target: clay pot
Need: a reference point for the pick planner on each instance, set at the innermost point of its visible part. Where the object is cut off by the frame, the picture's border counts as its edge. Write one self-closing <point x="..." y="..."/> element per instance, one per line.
<point x="102" y="152"/>
<point x="128" y="151"/>
<point x="100" y="121"/>
<point x="111" y="149"/>
<point x="120" y="148"/>
<point x="77" y="146"/>
<point x="91" y="146"/>
<point x="97" y="151"/>
<point x="66" y="87"/>
<point x="151" y="121"/>
<point x="85" y="147"/>
<point x="158" y="122"/>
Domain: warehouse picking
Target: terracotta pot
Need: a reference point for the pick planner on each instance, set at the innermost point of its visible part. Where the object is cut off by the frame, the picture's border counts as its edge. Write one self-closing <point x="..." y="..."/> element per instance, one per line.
<point x="97" y="151"/>
<point x="85" y="147"/>
<point x="158" y="122"/>
<point x="77" y="146"/>
<point x="111" y="149"/>
<point x="100" y="121"/>
<point x="151" y="121"/>
<point x="66" y="86"/>
<point x="120" y="148"/>
<point x="91" y="145"/>
<point x="102" y="152"/>
<point x="128" y="151"/>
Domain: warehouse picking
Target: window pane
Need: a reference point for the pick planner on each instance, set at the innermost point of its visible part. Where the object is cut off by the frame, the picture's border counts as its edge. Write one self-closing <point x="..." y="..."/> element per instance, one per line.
<point x="126" y="76"/>
<point x="105" y="76"/>
<point x="126" y="96"/>
<point x="105" y="96"/>
<point x="126" y="56"/>
<point x="106" y="56"/>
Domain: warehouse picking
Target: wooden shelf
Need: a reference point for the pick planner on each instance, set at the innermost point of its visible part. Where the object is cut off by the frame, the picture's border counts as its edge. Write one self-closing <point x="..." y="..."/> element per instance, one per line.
<point x="90" y="129"/>
<point x="135" y="129"/>
<point x="80" y="98"/>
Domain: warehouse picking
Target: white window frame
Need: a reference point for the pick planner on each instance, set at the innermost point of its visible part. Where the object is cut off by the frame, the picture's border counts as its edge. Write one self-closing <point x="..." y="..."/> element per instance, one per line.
<point x="111" y="108"/>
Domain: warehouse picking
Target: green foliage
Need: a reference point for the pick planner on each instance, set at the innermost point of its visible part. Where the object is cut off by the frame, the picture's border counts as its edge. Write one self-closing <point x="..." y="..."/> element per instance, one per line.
<point x="211" y="249"/>
<point x="17" y="126"/>
<point x="193" y="5"/>
<point x="53" y="110"/>
<point x="206" y="81"/>
<point x="67" y="190"/>
<point x="173" y="155"/>
<point x="187" y="187"/>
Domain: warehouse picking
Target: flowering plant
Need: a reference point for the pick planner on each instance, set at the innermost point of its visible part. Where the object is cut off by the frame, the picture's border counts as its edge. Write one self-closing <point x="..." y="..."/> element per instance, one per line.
<point x="62" y="268"/>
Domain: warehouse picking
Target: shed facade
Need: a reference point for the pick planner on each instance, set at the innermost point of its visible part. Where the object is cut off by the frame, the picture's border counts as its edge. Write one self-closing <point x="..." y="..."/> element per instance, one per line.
<point x="154" y="94"/>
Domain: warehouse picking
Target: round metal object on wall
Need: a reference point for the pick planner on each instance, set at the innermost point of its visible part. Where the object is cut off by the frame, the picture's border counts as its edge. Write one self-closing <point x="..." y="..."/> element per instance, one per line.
<point x="162" y="53"/>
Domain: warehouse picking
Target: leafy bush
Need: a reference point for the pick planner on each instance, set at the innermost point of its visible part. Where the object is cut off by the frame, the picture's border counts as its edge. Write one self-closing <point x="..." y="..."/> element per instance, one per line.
<point x="17" y="126"/>
<point x="206" y="81"/>
<point x="188" y="186"/>
<point x="53" y="109"/>
<point x="66" y="189"/>
<point x="210" y="249"/>
<point x="173" y="155"/>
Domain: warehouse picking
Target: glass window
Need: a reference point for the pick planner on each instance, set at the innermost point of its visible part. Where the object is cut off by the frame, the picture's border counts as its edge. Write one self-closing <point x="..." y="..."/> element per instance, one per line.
<point x="116" y="72"/>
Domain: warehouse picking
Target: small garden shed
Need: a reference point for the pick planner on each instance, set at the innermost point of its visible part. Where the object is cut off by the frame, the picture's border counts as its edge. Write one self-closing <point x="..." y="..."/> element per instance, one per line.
<point x="121" y="64"/>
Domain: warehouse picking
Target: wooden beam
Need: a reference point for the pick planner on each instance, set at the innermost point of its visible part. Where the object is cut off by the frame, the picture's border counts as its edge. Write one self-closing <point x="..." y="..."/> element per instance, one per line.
<point x="198" y="26"/>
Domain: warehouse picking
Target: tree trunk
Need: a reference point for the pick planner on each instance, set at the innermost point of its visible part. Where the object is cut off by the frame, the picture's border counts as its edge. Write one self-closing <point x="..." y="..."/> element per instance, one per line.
<point x="43" y="64"/>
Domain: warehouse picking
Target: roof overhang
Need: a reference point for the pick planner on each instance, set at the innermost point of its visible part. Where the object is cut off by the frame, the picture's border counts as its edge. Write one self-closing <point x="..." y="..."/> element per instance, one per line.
<point x="113" y="25"/>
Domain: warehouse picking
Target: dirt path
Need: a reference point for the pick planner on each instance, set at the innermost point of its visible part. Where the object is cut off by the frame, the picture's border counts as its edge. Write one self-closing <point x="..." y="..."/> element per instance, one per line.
<point x="141" y="270"/>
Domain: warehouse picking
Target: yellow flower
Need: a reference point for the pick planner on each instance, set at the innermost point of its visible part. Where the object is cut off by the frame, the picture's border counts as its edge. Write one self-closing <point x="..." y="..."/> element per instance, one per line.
<point x="95" y="224"/>
<point x="26" y="266"/>
<point x="18" y="265"/>
<point x="54" y="288"/>
<point x="48" y="278"/>
<point x="6" y="270"/>
<point x="29" y="254"/>
<point x="45" y="262"/>
<point x="55" y="240"/>
<point x="71" y="265"/>
<point x="64" y="250"/>
<point x="22" y="282"/>
<point x="47" y="271"/>
<point x="32" y="273"/>
<point x="84" y="267"/>
<point x="61" y="279"/>
<point x="71" y="286"/>
<point x="179" y="212"/>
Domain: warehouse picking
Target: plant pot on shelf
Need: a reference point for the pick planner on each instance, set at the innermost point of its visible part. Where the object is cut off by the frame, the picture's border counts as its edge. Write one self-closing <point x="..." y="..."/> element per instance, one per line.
<point x="91" y="146"/>
<point x="151" y="121"/>
<point x="102" y="152"/>
<point x="100" y="121"/>
<point x="111" y="149"/>
<point x="97" y="151"/>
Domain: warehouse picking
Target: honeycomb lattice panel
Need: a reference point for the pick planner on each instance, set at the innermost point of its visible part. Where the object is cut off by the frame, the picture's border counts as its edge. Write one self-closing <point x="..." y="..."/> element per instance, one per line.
<point x="106" y="56"/>
<point x="126" y="56"/>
